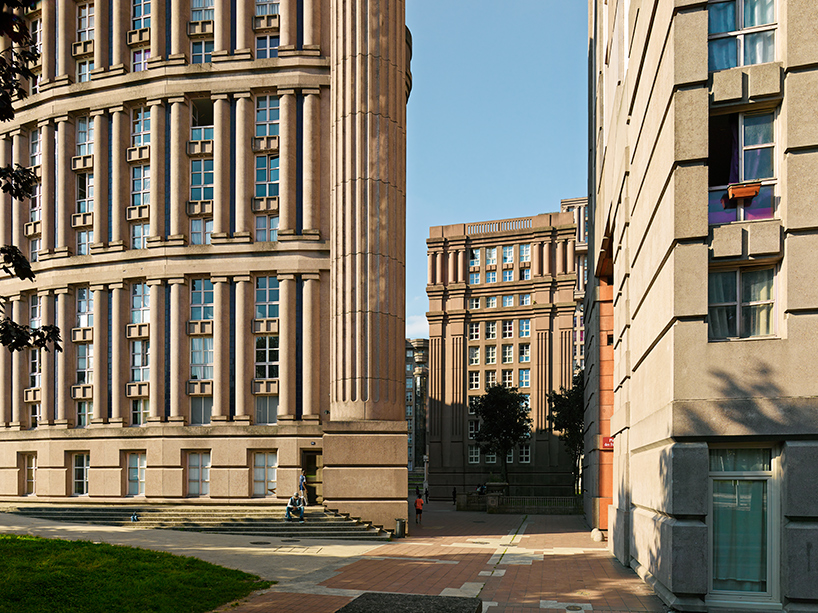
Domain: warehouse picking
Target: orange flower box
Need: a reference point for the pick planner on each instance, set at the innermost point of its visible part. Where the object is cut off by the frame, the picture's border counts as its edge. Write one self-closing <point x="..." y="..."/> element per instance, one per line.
<point x="743" y="190"/>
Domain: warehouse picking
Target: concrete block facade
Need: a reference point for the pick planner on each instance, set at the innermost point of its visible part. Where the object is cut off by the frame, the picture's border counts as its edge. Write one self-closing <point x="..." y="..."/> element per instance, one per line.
<point x="203" y="207"/>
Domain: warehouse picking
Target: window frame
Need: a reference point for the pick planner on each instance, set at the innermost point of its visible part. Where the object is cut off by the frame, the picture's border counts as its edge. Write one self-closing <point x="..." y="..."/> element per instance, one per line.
<point x="474" y="356"/>
<point x="85" y="363"/>
<point x="270" y="408"/>
<point x="264" y="474"/>
<point x="85" y="192"/>
<point x="491" y="330"/>
<point x="508" y="254"/>
<point x="80" y="467"/>
<point x="85" y="135"/>
<point x="266" y="298"/>
<point x="139" y="235"/>
<point x="140" y="14"/>
<point x="266" y="125"/>
<point x="491" y="354"/>
<point x="201" y="299"/>
<point x="267" y="356"/>
<point x="201" y="358"/>
<point x="140" y="360"/>
<point x="85" y="307"/>
<point x="474" y="380"/>
<point x="139" y="59"/>
<point x="85" y="412"/>
<point x="474" y="331"/>
<point x="265" y="49"/>
<point x="202" y="471"/>
<point x="524" y="328"/>
<point x="140" y="303"/>
<point x="201" y="230"/>
<point x="267" y="228"/>
<point x="202" y="180"/>
<point x="272" y="7"/>
<point x="474" y="454"/>
<point x="202" y="10"/>
<point x="140" y="185"/>
<point x="85" y="21"/>
<point x="85" y="238"/>
<point x="137" y="466"/>
<point x="140" y="411"/>
<point x="739" y="33"/>
<point x="773" y="301"/>
<point x="84" y="69"/>
<point x="141" y="126"/>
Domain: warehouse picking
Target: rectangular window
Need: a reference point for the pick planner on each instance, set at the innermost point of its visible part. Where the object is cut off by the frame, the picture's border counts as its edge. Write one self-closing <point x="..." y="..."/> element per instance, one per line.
<point x="491" y="378"/>
<point x="34" y="246"/>
<point x="84" y="412"/>
<point x="266" y="176"/>
<point x="198" y="468"/>
<point x="525" y="253"/>
<point x="474" y="332"/>
<point x="85" y="21"/>
<point x="201" y="410"/>
<point x="137" y="463"/>
<point x="84" y="69"/>
<point x="139" y="235"/>
<point x="140" y="14"/>
<point x="201" y="52"/>
<point x="508" y="301"/>
<point x="85" y="192"/>
<point x="473" y="427"/>
<point x="141" y="126"/>
<point x="201" y="230"/>
<point x="85" y="307"/>
<point x="474" y="454"/>
<point x="267" y="7"/>
<point x="139" y="60"/>
<point x="491" y="458"/>
<point x="266" y="297"/>
<point x="35" y="311"/>
<point x="508" y="328"/>
<point x="85" y="239"/>
<point x="140" y="411"/>
<point x="201" y="10"/>
<point x="201" y="358"/>
<point x="35" y="203"/>
<point x="508" y="354"/>
<point x="85" y="136"/>
<point x="491" y="302"/>
<point x="491" y="330"/>
<point x="267" y="115"/>
<point x="474" y="257"/>
<point x="508" y="275"/>
<point x="85" y="363"/>
<point x="140" y="185"/>
<point x="525" y="299"/>
<point x="82" y="464"/>
<point x="741" y="303"/>
<point x="525" y="352"/>
<point x="266" y="409"/>
<point x="491" y="256"/>
<point x="140" y="303"/>
<point x="264" y="473"/>
<point x="525" y="453"/>
<point x="474" y="278"/>
<point x="740" y="33"/>
<point x="508" y="254"/>
<point x="201" y="299"/>
<point x="34" y="367"/>
<point x="491" y="277"/>
<point x="741" y="150"/>
<point x="201" y="116"/>
<point x="525" y="328"/>
<point x="35" y="151"/>
<point x="266" y="47"/>
<point x="525" y="377"/>
<point x="35" y="29"/>
<point x="491" y="354"/>
<point x="266" y="228"/>
<point x="35" y="415"/>
<point x="508" y="378"/>
<point x="510" y="456"/>
<point x="472" y="399"/>
<point x="474" y="303"/>
<point x="201" y="179"/>
<point x="266" y="357"/>
<point x="474" y="380"/>
<point x="140" y="360"/>
<point x="30" y="466"/>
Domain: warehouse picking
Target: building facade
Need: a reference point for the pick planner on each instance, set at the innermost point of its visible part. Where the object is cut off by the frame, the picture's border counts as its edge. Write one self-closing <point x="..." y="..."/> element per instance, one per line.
<point x="701" y="320"/>
<point x="205" y="202"/>
<point x="501" y="309"/>
<point x="417" y="374"/>
<point x="578" y="207"/>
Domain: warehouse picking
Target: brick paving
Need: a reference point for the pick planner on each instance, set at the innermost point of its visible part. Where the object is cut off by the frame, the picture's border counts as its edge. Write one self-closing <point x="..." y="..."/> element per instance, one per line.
<point x="513" y="563"/>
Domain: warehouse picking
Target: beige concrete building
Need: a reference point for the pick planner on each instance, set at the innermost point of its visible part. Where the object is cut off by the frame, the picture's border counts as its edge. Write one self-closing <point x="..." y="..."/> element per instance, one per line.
<point x="578" y="207"/>
<point x="501" y="309"/>
<point x="702" y="317"/>
<point x="219" y="233"/>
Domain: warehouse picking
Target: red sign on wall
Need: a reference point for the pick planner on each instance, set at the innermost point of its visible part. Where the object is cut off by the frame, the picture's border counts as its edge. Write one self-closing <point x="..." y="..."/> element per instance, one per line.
<point x="607" y="442"/>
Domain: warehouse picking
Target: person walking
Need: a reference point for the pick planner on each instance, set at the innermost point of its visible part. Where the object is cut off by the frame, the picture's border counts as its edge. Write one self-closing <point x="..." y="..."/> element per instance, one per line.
<point x="419" y="510"/>
<point x="302" y="483"/>
<point x="454" y="495"/>
<point x="417" y="491"/>
<point x="426" y="495"/>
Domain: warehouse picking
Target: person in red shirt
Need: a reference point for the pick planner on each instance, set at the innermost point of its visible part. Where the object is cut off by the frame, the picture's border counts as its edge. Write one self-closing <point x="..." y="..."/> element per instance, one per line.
<point x="419" y="510"/>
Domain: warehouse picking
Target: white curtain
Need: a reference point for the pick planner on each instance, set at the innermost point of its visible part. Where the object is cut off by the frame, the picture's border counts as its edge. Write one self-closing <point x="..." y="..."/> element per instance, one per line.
<point x="721" y="320"/>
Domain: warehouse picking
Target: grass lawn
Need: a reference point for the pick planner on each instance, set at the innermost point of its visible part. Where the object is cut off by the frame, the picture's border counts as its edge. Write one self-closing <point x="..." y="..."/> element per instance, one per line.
<point x="50" y="576"/>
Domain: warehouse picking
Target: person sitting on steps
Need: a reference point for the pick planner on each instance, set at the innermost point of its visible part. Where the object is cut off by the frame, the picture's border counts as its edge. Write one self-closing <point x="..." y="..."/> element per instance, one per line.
<point x="294" y="503"/>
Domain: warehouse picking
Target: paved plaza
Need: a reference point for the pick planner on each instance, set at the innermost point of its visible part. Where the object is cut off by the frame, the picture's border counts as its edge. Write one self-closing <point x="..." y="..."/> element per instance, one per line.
<point x="513" y="563"/>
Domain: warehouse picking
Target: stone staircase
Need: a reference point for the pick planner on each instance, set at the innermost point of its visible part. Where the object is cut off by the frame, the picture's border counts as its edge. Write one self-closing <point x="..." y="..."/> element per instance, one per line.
<point x="252" y="521"/>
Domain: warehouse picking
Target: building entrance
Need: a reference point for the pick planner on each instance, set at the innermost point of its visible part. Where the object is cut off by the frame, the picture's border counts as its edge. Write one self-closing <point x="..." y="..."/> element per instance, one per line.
<point x="313" y="464"/>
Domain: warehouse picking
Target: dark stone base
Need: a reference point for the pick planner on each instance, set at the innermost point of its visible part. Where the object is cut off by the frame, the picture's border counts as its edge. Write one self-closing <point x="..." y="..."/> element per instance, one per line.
<point x="376" y="602"/>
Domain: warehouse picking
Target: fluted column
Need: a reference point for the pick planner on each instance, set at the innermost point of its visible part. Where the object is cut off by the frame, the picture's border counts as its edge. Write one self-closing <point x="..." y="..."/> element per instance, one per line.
<point x="157" y="349"/>
<point x="100" y="364"/>
<point x="289" y="24"/>
<point x="65" y="363"/>
<point x="158" y="25"/>
<point x="221" y="26"/>
<point x="180" y="165"/>
<point x="157" y="213"/>
<point x="47" y="362"/>
<point x="244" y="350"/>
<point x="66" y="34"/>
<point x="221" y="165"/>
<point x="245" y="114"/>
<point x="179" y="349"/>
<point x="221" y="348"/>
<point x="439" y="255"/>
<point x="287" y="177"/>
<point x="286" y="343"/>
<point x="19" y="209"/>
<point x="19" y="366"/>
<point x="311" y="351"/>
<point x="311" y="191"/>
<point x="245" y="11"/>
<point x="119" y="350"/>
<point x="101" y="178"/>
<point x="121" y="13"/>
<point x="48" y="57"/>
<point x="66" y="185"/>
<point x="48" y="184"/>
<point x="120" y="177"/>
<point x="101" y="35"/>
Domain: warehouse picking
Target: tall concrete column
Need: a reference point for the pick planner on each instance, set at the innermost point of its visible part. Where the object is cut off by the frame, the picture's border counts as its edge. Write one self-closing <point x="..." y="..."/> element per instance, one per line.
<point x="157" y="214"/>
<point x="221" y="165"/>
<point x="180" y="169"/>
<point x="101" y="178"/>
<point x="312" y="25"/>
<point x="120" y="375"/>
<point x="48" y="57"/>
<point x="19" y="366"/>
<point x="244" y="351"/>
<point x="450" y="267"/>
<point x="158" y="25"/>
<point x="121" y="13"/>
<point x="19" y="208"/>
<point x="100" y="364"/>
<point x="179" y="349"/>
<point x="569" y="256"/>
<point x="47" y="362"/>
<point x="311" y="350"/>
<point x="66" y="186"/>
<point x="286" y="344"/>
<point x="438" y="256"/>
<point x="547" y="248"/>
<point x="6" y="383"/>
<point x="245" y="11"/>
<point x="221" y="26"/>
<point x="101" y="35"/>
<point x="560" y="259"/>
<point x="48" y="184"/>
<point x="461" y="265"/>
<point x="179" y="42"/>
<point x="120" y="177"/>
<point x="66" y="34"/>
<point x="221" y="349"/>
<point x="157" y="349"/>
<point x="430" y="268"/>
<point x="5" y="200"/>
<point x="536" y="259"/>
<point x="245" y="122"/>
<point x="66" y="305"/>
<point x="287" y="174"/>
<point x="288" y="24"/>
<point x="311" y="191"/>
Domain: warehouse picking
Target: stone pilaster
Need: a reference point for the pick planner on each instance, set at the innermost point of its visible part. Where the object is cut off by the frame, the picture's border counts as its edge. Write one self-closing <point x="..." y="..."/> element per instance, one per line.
<point x="221" y="349"/>
<point x="289" y="25"/>
<point x="179" y="349"/>
<point x="179" y="41"/>
<point x="120" y="348"/>
<point x="101" y="36"/>
<point x="19" y="367"/>
<point x="5" y="199"/>
<point x="120" y="178"/>
<point x="121" y="13"/>
<point x="19" y="208"/>
<point x="48" y="362"/>
<point x="48" y="57"/>
<point x="311" y="348"/>
<point x="100" y="178"/>
<point x="287" y="177"/>
<point x="180" y="166"/>
<point x="245" y="11"/>
<point x="221" y="165"/>
<point x="48" y="184"/>
<point x="66" y="186"/>
<point x="157" y="349"/>
<point x="100" y="364"/>
<point x="66" y="319"/>
<point x="157" y="213"/>
<point x="311" y="192"/>
<point x="286" y="343"/>
<point x="66" y="34"/>
<point x="245" y="122"/>
<point x="221" y="27"/>
<point x="245" y="406"/>
<point x="158" y="25"/>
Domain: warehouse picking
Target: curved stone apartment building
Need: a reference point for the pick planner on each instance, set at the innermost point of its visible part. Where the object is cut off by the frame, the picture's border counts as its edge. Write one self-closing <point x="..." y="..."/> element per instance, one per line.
<point x="219" y="233"/>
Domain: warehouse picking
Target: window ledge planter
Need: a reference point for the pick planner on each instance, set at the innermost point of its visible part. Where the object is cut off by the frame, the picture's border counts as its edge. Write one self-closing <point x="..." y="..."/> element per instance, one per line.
<point x="743" y="190"/>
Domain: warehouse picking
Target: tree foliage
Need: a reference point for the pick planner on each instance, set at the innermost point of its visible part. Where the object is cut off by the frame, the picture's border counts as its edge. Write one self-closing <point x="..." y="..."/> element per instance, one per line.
<point x="504" y="421"/>
<point x="15" y="180"/>
<point x="568" y="418"/>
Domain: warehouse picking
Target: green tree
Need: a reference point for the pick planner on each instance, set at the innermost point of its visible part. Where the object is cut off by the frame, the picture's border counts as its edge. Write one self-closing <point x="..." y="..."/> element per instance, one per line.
<point x="16" y="180"/>
<point x="504" y="421"/>
<point x="568" y="418"/>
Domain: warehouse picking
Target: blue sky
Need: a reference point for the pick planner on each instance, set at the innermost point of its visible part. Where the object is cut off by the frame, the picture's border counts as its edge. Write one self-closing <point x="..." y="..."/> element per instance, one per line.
<point x="497" y="119"/>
